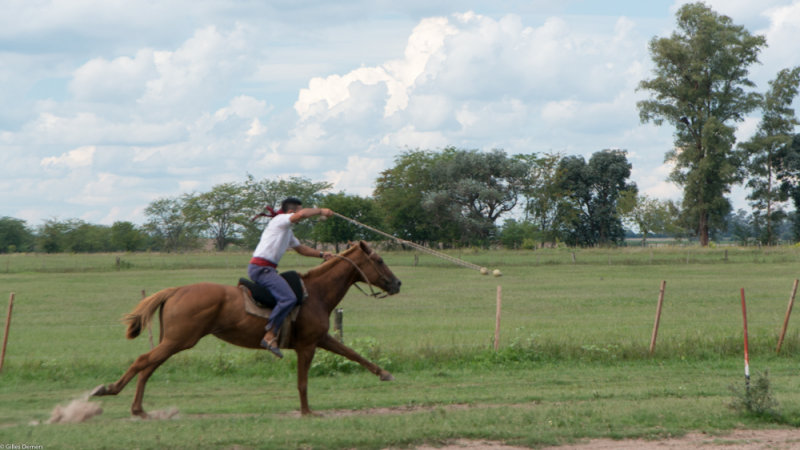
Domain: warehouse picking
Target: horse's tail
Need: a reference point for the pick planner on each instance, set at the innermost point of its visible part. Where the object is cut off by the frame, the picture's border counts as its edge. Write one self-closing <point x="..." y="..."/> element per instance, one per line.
<point x="142" y="315"/>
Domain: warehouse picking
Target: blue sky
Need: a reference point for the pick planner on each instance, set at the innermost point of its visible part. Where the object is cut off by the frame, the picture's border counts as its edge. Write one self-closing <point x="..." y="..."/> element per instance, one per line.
<point x="109" y="105"/>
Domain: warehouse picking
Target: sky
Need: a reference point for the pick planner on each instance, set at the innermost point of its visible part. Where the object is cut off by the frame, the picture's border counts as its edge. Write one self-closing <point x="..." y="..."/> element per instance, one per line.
<point x="108" y="105"/>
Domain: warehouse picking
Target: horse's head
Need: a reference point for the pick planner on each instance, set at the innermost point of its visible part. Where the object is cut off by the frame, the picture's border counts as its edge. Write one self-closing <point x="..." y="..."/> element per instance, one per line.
<point x="372" y="267"/>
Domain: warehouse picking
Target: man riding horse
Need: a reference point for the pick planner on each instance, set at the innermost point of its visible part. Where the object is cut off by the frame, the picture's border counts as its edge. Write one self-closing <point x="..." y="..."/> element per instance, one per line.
<point x="275" y="240"/>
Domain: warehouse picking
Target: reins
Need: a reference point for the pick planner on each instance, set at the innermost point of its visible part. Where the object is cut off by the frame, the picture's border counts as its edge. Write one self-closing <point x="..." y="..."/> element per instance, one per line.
<point x="366" y="279"/>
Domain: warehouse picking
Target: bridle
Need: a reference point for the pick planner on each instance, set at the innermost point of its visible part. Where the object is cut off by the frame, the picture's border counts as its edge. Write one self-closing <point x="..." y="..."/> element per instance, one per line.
<point x="364" y="276"/>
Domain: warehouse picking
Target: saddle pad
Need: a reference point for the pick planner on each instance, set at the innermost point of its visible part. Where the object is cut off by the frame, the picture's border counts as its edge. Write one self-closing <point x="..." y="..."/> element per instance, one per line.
<point x="253" y="308"/>
<point x="264" y="297"/>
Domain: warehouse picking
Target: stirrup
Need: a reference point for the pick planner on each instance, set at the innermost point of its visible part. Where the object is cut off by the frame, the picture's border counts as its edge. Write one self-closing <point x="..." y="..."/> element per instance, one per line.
<point x="268" y="345"/>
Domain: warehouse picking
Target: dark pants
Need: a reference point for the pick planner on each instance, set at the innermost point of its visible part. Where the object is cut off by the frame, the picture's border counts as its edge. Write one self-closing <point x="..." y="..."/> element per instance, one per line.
<point x="277" y="285"/>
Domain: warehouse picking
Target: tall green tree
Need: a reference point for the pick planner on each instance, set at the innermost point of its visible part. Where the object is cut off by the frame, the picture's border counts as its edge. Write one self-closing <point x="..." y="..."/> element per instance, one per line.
<point x="220" y="212"/>
<point x="789" y="176"/>
<point x="589" y="206"/>
<point x="540" y="193"/>
<point x="700" y="87"/>
<point x="765" y="150"/>
<point x="15" y="236"/>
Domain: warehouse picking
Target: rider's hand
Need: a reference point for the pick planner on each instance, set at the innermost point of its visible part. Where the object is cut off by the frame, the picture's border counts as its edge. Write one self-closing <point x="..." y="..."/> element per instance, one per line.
<point x="325" y="212"/>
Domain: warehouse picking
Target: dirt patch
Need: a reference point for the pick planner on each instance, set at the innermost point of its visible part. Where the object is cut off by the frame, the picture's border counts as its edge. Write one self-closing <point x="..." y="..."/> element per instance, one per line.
<point x="387" y="410"/>
<point x="473" y="445"/>
<point x="736" y="440"/>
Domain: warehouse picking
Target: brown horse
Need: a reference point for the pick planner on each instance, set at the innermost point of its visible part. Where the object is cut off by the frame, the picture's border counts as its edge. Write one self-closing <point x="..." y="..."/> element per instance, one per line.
<point x="190" y="312"/>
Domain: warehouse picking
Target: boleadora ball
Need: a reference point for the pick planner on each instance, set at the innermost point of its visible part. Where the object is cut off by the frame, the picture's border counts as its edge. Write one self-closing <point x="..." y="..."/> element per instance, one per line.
<point x="484" y="271"/>
<point x="496" y="272"/>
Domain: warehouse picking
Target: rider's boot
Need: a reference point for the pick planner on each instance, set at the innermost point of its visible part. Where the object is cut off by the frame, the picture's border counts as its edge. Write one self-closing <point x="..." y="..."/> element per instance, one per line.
<point x="270" y="341"/>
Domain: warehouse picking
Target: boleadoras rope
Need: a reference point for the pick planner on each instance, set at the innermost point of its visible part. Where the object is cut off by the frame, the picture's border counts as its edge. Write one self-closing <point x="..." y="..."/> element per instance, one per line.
<point x="460" y="262"/>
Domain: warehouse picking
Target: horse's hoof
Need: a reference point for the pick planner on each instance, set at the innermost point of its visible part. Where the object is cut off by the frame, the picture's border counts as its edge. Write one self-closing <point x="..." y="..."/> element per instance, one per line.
<point x="386" y="376"/>
<point x="98" y="391"/>
<point x="140" y="414"/>
<point x="310" y="413"/>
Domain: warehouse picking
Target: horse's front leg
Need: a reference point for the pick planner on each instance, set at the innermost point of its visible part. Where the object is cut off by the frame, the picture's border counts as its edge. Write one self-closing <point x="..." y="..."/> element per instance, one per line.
<point x="304" y="357"/>
<point x="332" y="345"/>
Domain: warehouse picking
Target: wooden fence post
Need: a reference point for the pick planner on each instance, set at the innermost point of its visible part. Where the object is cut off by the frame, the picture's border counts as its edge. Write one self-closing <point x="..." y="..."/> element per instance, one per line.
<point x="786" y="319"/>
<point x="338" y="324"/>
<point x="658" y="316"/>
<point x="5" y="335"/>
<point x="497" y="317"/>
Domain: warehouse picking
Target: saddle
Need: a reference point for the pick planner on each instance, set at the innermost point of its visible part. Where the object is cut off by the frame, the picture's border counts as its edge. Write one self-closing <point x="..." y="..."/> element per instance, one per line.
<point x="258" y="301"/>
<point x="263" y="297"/>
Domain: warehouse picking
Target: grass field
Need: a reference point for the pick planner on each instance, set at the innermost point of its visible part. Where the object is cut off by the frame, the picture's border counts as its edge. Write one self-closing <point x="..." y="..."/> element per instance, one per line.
<point x="573" y="360"/>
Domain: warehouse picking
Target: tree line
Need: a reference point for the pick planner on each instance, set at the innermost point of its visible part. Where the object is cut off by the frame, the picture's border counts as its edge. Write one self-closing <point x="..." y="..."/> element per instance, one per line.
<point x="452" y="198"/>
<point x="458" y="197"/>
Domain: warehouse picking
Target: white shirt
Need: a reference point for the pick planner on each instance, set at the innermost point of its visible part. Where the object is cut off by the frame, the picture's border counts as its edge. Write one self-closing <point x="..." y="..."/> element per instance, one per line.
<point x="276" y="239"/>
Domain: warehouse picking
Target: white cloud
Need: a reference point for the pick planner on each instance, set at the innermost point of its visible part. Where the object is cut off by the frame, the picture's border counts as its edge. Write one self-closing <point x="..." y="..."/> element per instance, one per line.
<point x="87" y="128"/>
<point x="409" y="137"/>
<point x="654" y="183"/>
<point x="120" y="79"/>
<point x="358" y="177"/>
<point x="193" y="74"/>
<point x="398" y="75"/>
<point x="79" y="157"/>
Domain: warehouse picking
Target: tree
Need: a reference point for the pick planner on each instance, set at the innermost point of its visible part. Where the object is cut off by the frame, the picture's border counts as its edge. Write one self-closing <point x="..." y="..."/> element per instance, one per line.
<point x="541" y="196"/>
<point x="453" y="195"/>
<point x="82" y="237"/>
<point x="764" y="150"/>
<point x="126" y="237"/>
<point x="588" y="209"/>
<point x="700" y="88"/>
<point x="73" y="235"/>
<point x="789" y="176"/>
<point x="15" y="236"/>
<point x="336" y="230"/>
<point x="650" y="215"/>
<point x="221" y="212"/>
<point x="519" y="234"/>
<point x="741" y="227"/>
<point x="400" y="191"/>
<point x="51" y="236"/>
<point x="474" y="190"/>
<point x="169" y="225"/>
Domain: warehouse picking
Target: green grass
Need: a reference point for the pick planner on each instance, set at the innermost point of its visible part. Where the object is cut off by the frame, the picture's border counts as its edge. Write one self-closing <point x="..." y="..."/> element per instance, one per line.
<point x="573" y="360"/>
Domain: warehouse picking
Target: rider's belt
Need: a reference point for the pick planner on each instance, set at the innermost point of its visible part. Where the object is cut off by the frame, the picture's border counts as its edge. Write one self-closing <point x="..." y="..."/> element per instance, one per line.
<point x="262" y="262"/>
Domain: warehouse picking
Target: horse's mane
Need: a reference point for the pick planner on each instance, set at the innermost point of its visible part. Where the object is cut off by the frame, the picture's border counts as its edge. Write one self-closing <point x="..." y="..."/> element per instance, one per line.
<point x="326" y="265"/>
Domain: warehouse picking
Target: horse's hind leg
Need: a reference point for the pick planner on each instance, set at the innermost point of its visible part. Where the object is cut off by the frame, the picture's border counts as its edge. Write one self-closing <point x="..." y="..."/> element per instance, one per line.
<point x="115" y="388"/>
<point x="144" y="365"/>
<point x="156" y="359"/>
<point x="332" y="345"/>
